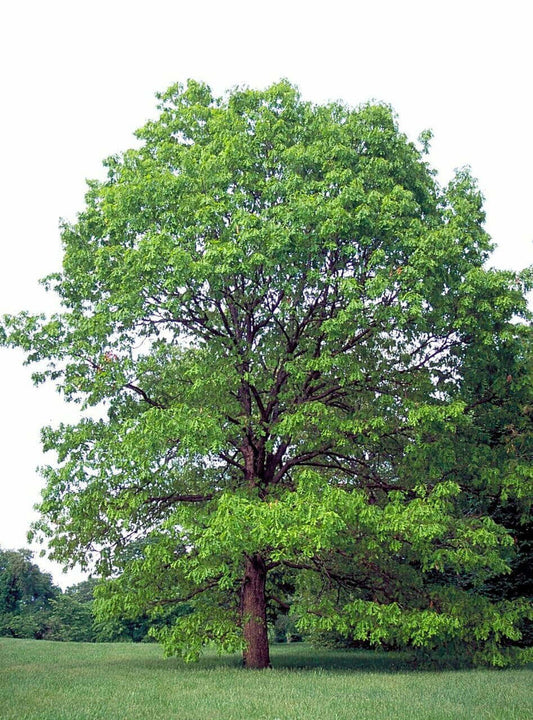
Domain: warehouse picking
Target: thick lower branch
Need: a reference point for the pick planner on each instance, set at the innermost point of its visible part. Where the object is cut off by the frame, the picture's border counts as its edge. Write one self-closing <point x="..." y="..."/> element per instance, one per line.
<point x="168" y="499"/>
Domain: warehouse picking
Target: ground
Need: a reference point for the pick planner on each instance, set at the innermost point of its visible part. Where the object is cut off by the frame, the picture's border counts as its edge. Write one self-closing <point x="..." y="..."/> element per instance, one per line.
<point x="73" y="681"/>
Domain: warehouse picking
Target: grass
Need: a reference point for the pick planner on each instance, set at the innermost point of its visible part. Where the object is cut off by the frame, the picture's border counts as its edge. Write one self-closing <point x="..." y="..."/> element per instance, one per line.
<point x="73" y="681"/>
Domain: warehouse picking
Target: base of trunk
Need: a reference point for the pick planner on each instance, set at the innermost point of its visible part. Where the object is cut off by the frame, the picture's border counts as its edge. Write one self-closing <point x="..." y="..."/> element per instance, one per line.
<point x="253" y="612"/>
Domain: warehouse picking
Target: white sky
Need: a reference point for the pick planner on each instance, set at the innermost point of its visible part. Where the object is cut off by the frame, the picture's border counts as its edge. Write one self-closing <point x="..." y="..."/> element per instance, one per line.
<point x="79" y="76"/>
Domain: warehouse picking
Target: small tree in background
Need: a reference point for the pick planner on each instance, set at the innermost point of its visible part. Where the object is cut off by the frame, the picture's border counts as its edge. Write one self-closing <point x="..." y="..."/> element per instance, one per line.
<point x="301" y="357"/>
<point x="25" y="595"/>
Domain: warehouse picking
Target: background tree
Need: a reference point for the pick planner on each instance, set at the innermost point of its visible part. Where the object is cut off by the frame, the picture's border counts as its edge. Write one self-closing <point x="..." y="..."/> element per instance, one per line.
<point x="490" y="451"/>
<point x="70" y="619"/>
<point x="31" y="606"/>
<point x="281" y="313"/>
<point x="25" y="595"/>
<point x="509" y="436"/>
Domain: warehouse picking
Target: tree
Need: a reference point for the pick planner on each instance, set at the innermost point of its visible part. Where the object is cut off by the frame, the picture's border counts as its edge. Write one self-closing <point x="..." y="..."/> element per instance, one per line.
<point x="279" y="314"/>
<point x="70" y="619"/>
<point x="509" y="435"/>
<point x="490" y="451"/>
<point x="25" y="595"/>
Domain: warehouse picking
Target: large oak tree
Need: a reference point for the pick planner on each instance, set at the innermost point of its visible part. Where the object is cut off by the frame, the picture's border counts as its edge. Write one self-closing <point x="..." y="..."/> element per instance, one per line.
<point x="296" y="357"/>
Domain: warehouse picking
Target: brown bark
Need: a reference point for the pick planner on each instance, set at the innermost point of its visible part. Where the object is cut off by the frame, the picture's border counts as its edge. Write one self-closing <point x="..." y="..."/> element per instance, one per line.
<point x="253" y="612"/>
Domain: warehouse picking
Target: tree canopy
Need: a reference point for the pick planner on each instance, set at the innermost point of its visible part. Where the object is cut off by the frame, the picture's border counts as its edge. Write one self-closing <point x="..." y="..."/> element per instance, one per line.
<point x="22" y="585"/>
<point x="25" y="595"/>
<point x="298" y="360"/>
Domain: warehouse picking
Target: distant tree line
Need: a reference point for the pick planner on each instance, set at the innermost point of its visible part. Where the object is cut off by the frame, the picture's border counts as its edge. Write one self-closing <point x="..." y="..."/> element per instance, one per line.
<point x="31" y="606"/>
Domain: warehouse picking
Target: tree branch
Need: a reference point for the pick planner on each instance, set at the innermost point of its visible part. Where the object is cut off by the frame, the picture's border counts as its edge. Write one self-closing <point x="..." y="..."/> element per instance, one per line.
<point x="175" y="498"/>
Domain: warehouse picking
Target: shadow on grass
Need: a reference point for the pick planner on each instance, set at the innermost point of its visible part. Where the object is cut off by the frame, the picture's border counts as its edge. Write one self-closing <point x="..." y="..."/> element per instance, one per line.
<point x="301" y="657"/>
<point x="298" y="658"/>
<point x="355" y="660"/>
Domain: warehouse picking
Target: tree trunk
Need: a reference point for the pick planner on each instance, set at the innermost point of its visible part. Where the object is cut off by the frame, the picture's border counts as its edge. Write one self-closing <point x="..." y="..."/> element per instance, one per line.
<point x="253" y="612"/>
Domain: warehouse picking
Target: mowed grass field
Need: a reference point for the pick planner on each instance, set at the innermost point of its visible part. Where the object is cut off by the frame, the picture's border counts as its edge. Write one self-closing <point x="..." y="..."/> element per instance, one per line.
<point x="75" y="681"/>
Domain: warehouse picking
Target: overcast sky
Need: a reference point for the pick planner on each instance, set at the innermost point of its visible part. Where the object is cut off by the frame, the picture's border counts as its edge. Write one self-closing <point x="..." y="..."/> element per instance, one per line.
<point x="79" y="77"/>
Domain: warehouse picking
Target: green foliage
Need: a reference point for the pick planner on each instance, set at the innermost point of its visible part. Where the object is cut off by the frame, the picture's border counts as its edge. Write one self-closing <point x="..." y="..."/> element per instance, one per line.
<point x="26" y="594"/>
<point x="22" y="584"/>
<point x="32" y="607"/>
<point x="297" y="359"/>
<point x="70" y="620"/>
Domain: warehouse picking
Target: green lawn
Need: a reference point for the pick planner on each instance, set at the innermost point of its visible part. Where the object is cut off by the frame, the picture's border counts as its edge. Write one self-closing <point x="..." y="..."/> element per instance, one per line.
<point x="74" y="681"/>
